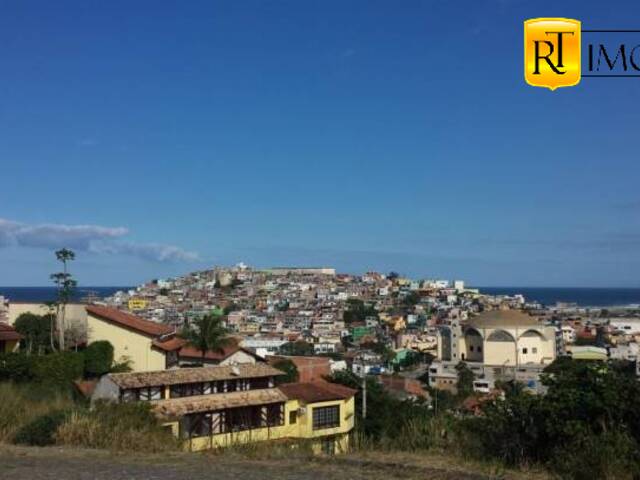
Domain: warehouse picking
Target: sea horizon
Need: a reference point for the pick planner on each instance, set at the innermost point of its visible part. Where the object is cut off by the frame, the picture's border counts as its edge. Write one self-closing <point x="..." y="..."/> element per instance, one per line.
<point x="548" y="296"/>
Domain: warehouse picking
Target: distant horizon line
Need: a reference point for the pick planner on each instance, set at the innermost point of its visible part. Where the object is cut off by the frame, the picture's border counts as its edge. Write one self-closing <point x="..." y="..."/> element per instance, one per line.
<point x="466" y="287"/>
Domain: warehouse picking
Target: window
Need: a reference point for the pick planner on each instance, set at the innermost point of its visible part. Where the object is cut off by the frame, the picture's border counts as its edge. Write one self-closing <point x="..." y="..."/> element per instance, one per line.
<point x="129" y="395"/>
<point x="189" y="390"/>
<point x="326" y="417"/>
<point x="524" y="350"/>
<point x="479" y="349"/>
<point x="257" y="383"/>
<point x="293" y="417"/>
<point x="534" y="350"/>
<point x="143" y="394"/>
<point x="195" y="425"/>
<point x="275" y="414"/>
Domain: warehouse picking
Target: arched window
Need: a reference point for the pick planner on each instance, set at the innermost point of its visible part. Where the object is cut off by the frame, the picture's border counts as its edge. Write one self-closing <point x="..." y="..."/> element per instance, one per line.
<point x="533" y="334"/>
<point x="500" y="336"/>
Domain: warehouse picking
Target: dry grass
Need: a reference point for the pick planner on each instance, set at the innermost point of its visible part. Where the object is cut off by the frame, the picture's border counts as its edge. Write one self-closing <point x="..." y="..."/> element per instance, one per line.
<point x="267" y="450"/>
<point x="20" y="404"/>
<point x="115" y="427"/>
<point x="445" y="461"/>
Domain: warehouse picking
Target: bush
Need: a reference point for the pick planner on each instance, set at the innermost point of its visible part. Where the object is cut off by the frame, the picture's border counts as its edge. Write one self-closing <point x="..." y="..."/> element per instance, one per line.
<point x="59" y="368"/>
<point x="41" y="430"/>
<point x="612" y="455"/>
<point x="119" y="427"/>
<point x="22" y="403"/>
<point x="98" y="358"/>
<point x="16" y="367"/>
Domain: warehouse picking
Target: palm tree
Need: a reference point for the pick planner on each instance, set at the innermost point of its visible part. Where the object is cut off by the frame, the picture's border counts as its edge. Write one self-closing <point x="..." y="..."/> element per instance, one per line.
<point x="207" y="334"/>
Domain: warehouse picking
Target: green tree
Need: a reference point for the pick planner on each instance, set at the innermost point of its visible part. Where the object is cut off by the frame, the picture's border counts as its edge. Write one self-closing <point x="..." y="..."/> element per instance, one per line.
<point x="98" y="358"/>
<point x="411" y="299"/>
<point x="299" y="348"/>
<point x="66" y="286"/>
<point x="289" y="368"/>
<point x="36" y="331"/>
<point x="357" y="311"/>
<point x="207" y="334"/>
<point x="465" y="380"/>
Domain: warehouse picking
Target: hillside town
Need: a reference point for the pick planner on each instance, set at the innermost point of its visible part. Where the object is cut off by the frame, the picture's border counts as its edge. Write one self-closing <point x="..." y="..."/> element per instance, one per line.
<point x="306" y="356"/>
<point x="372" y="324"/>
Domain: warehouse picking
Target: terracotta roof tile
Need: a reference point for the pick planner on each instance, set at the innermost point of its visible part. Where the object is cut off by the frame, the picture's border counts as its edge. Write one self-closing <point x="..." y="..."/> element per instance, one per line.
<point x="128" y="320"/>
<point x="191" y="352"/>
<point x="192" y="375"/>
<point x="177" y="407"/>
<point x="170" y="345"/>
<point x="313" y="392"/>
<point x="7" y="332"/>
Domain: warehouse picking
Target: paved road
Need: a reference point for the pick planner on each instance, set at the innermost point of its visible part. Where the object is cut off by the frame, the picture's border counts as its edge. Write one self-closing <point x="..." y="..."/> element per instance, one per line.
<point x="62" y="464"/>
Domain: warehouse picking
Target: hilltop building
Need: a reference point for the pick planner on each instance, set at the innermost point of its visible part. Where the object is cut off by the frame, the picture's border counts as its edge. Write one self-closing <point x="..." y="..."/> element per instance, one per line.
<point x="500" y="338"/>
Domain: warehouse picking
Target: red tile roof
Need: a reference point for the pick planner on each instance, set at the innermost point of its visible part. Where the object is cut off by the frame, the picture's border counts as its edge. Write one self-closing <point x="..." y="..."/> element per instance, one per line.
<point x="130" y="321"/>
<point x="310" y="369"/>
<point x="7" y="332"/>
<point x="313" y="392"/>
<point x="86" y="387"/>
<point x="170" y="345"/>
<point x="191" y="352"/>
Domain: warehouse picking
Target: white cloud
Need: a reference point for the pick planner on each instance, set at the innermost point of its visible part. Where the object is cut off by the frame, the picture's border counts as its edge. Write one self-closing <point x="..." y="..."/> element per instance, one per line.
<point x="91" y="238"/>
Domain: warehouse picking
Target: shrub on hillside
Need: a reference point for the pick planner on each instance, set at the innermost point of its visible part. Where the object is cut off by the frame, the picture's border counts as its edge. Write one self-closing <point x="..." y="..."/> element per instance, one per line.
<point x="16" y="367"/>
<point x="22" y="403"/>
<point x="611" y="455"/>
<point x="41" y="430"/>
<point x="120" y="427"/>
<point x="59" y="368"/>
<point x="98" y="358"/>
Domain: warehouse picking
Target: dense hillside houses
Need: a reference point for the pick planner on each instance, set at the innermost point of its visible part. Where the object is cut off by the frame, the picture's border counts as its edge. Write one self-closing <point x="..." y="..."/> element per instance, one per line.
<point x="413" y="337"/>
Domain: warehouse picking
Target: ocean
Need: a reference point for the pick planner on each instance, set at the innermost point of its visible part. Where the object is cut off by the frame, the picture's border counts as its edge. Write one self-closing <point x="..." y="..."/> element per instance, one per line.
<point x="584" y="297"/>
<point x="48" y="294"/>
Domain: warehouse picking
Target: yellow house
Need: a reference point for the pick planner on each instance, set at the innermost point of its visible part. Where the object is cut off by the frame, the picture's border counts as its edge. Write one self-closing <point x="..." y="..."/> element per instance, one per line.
<point x="229" y="405"/>
<point x="137" y="304"/>
<point x="9" y="339"/>
<point x="153" y="346"/>
<point x="132" y="337"/>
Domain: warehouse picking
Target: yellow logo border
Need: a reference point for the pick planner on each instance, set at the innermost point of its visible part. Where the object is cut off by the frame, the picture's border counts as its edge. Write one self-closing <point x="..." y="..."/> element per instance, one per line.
<point x="539" y="19"/>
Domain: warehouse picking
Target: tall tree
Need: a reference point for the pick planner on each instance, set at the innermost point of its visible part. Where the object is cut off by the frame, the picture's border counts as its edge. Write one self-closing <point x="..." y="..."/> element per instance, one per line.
<point x="465" y="380"/>
<point x="208" y="333"/>
<point x="35" y="330"/>
<point x="66" y="286"/>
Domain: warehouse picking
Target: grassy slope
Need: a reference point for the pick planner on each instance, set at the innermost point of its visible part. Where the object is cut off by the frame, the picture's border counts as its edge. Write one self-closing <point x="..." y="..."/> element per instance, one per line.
<point x="57" y="462"/>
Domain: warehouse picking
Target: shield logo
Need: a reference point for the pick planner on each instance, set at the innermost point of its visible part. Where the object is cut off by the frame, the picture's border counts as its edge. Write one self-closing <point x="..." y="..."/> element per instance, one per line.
<point x="552" y="52"/>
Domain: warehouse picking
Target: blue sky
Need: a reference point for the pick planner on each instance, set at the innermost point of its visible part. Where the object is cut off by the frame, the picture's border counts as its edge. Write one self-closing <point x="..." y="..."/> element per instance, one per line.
<point x="161" y="137"/>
